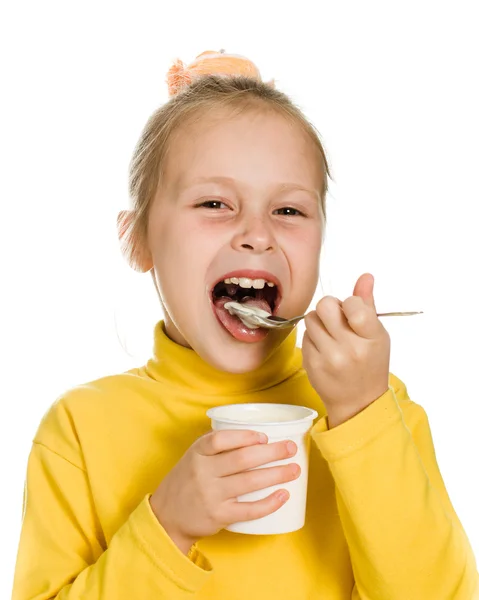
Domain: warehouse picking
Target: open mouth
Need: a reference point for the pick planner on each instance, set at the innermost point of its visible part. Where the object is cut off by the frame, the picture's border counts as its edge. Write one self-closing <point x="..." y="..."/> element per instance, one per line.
<point x="261" y="293"/>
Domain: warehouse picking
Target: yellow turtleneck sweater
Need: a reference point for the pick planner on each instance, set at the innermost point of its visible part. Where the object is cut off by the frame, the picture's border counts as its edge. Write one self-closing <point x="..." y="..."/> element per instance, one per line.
<point x="379" y="526"/>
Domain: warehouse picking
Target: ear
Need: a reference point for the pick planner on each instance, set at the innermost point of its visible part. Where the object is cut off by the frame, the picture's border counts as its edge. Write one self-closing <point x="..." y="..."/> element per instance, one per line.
<point x="134" y="250"/>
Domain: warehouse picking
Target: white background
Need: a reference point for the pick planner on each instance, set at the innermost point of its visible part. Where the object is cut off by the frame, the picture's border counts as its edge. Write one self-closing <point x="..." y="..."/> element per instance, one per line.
<point x="392" y="88"/>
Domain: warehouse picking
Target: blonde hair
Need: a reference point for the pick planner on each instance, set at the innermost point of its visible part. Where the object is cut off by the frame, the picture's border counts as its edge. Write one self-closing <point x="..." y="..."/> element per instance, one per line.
<point x="194" y="94"/>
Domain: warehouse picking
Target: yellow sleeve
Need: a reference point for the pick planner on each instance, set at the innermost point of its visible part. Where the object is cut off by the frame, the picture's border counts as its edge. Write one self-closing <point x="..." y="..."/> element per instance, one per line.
<point x="62" y="552"/>
<point x="404" y="537"/>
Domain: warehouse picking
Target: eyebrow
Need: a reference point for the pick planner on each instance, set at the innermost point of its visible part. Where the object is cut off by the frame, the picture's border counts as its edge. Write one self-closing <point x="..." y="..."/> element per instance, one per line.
<point x="282" y="187"/>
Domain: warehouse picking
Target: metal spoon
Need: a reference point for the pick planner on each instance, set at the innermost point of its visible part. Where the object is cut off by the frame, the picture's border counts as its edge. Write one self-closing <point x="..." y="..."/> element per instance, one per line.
<point x="254" y="317"/>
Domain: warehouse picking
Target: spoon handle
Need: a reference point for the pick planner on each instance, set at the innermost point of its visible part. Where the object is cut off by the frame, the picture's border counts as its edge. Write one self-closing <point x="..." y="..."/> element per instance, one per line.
<point x="280" y="322"/>
<point x="399" y="314"/>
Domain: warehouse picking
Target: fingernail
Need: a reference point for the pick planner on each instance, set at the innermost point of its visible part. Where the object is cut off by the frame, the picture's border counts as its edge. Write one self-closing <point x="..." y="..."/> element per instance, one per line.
<point x="283" y="495"/>
<point x="291" y="448"/>
<point x="263" y="438"/>
<point x="296" y="469"/>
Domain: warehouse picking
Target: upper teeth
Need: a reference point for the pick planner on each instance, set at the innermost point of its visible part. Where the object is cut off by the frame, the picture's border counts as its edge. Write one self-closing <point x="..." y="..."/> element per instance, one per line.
<point x="245" y="282"/>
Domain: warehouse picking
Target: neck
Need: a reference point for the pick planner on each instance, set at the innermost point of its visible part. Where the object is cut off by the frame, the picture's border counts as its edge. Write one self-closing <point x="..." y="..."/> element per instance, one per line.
<point x="182" y="367"/>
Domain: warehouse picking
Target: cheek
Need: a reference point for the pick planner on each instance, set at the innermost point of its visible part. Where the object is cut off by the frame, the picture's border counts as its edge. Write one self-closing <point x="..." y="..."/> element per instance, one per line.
<point x="304" y="249"/>
<point x="304" y="260"/>
<point x="183" y="252"/>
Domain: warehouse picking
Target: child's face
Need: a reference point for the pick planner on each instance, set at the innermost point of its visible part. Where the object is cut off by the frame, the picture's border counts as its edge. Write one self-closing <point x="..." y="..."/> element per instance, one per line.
<point x="237" y="166"/>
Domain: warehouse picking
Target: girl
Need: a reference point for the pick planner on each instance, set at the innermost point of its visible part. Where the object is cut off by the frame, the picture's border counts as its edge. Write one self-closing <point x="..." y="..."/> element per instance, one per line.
<point x="128" y="494"/>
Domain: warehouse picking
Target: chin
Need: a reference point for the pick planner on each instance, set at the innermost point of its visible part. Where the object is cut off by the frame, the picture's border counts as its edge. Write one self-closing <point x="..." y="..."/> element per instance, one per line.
<point x="238" y="357"/>
<point x="218" y="348"/>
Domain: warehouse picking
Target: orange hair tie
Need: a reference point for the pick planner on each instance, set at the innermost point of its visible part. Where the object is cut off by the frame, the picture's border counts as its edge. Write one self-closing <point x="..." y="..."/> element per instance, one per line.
<point x="177" y="78"/>
<point x="209" y="63"/>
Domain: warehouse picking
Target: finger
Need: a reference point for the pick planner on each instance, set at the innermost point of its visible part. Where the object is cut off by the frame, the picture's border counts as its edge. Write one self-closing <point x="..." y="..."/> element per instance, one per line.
<point x="316" y="333"/>
<point x="365" y="289"/>
<point x="248" y="511"/>
<point x="225" y="440"/>
<point x="329" y="311"/>
<point x="308" y="347"/>
<point x="236" y="461"/>
<point x="362" y="318"/>
<point x="320" y="350"/>
<point x="259" y="479"/>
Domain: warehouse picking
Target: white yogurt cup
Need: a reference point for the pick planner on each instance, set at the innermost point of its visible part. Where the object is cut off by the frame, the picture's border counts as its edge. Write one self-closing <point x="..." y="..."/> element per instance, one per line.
<point x="279" y="422"/>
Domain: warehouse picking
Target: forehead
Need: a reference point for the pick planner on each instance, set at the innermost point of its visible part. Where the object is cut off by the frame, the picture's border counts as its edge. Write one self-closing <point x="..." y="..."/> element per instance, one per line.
<point x="256" y="147"/>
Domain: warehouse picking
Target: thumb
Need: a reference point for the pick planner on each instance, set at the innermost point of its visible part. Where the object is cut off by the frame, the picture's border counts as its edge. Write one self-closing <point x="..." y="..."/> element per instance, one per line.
<point x="364" y="289"/>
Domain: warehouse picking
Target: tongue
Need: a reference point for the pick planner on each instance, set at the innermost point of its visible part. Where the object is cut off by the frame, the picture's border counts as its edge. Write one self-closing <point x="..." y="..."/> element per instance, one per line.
<point x="258" y="303"/>
<point x="234" y="325"/>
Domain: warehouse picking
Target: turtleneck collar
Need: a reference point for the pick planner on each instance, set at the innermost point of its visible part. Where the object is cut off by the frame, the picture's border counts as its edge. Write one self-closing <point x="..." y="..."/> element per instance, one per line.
<point x="183" y="367"/>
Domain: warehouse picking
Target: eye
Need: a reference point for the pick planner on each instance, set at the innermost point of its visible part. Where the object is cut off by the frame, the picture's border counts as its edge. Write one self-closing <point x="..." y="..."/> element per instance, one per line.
<point x="213" y="204"/>
<point x="288" y="211"/>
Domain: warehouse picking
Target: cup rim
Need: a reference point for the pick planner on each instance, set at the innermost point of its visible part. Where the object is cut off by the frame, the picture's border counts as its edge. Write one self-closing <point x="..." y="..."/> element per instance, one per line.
<point x="312" y="414"/>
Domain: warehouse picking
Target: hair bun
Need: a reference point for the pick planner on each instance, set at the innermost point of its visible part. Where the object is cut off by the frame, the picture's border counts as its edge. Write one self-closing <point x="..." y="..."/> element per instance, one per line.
<point x="209" y="63"/>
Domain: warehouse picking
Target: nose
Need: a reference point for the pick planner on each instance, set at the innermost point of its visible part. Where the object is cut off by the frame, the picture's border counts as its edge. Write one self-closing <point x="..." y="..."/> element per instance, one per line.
<point x="255" y="236"/>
